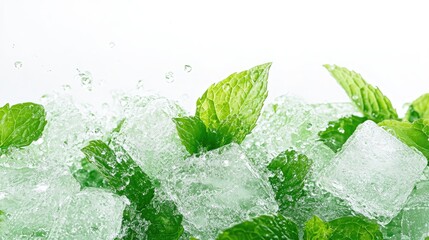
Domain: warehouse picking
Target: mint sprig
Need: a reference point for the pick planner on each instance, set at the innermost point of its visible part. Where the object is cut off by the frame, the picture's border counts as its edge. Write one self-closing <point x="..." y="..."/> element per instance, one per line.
<point x="121" y="175"/>
<point x="226" y="112"/>
<point x="370" y="100"/>
<point x="373" y="104"/>
<point x="21" y="124"/>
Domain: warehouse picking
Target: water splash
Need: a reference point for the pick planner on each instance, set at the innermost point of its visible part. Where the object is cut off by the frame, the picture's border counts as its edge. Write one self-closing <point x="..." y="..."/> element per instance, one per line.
<point x="85" y="79"/>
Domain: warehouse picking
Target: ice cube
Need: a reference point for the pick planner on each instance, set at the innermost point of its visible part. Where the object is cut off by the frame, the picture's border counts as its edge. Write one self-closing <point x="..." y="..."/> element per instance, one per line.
<point x="149" y="134"/>
<point x="31" y="198"/>
<point x="218" y="189"/>
<point x="90" y="214"/>
<point x="375" y="172"/>
<point x="289" y="122"/>
<point x="415" y="218"/>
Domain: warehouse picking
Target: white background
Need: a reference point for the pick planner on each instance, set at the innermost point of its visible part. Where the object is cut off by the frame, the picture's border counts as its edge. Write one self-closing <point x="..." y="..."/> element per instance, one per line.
<point x="121" y="42"/>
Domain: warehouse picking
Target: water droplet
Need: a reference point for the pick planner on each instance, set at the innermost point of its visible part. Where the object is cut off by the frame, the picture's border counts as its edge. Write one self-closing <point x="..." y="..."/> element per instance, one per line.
<point x="355" y="97"/>
<point x="226" y="87"/>
<point x="13" y="45"/>
<point x="188" y="68"/>
<point x="18" y="64"/>
<point x="169" y="77"/>
<point x="85" y="79"/>
<point x="140" y="84"/>
<point x="112" y="44"/>
<point x="341" y="130"/>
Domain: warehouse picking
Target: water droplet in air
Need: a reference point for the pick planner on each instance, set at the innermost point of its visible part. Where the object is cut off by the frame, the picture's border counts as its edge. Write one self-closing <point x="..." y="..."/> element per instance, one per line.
<point x="18" y="64"/>
<point x="169" y="77"/>
<point x="112" y="44"/>
<point x="140" y="84"/>
<point x="188" y="68"/>
<point x="85" y="79"/>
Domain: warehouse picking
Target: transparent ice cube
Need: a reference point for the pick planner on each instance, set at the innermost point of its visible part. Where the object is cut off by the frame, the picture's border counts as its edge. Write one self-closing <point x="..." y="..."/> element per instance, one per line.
<point x="415" y="215"/>
<point x="30" y="198"/>
<point x="218" y="189"/>
<point x="90" y="214"/>
<point x="149" y="134"/>
<point x="375" y="172"/>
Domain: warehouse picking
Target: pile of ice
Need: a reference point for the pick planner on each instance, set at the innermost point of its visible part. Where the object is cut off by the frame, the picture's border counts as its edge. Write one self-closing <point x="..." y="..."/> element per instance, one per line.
<point x="373" y="175"/>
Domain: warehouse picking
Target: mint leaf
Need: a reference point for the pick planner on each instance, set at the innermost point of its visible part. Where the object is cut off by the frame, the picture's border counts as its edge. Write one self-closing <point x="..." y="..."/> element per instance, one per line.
<point x="354" y="228"/>
<point x="226" y="112"/>
<point x="414" y="134"/>
<point x="418" y="109"/>
<point x="242" y="94"/>
<point x="194" y="134"/>
<point x="21" y="124"/>
<point x="89" y="175"/>
<point x="290" y="170"/>
<point x="2" y="215"/>
<point x="262" y="227"/>
<point x="125" y="178"/>
<point x="370" y="101"/>
<point x="316" y="228"/>
<point x="351" y="227"/>
<point x="337" y="132"/>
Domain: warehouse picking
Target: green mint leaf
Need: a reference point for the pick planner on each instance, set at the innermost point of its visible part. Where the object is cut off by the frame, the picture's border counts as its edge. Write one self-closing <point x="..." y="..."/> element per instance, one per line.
<point x="226" y="112"/>
<point x="337" y="132"/>
<point x="89" y="176"/>
<point x="418" y="109"/>
<point x="2" y="215"/>
<point x="370" y="101"/>
<point x="21" y="124"/>
<point x="316" y="229"/>
<point x="414" y="134"/>
<point x="354" y="228"/>
<point x="351" y="227"/>
<point x="124" y="177"/>
<point x="241" y="94"/>
<point x="290" y="170"/>
<point x="262" y="227"/>
<point x="194" y="134"/>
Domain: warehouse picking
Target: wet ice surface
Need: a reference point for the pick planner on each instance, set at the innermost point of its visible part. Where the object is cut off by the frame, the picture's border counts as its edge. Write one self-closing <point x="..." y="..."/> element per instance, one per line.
<point x="415" y="216"/>
<point x="217" y="190"/>
<point x="374" y="172"/>
<point x="214" y="190"/>
<point x="89" y="214"/>
<point x="149" y="135"/>
<point x="290" y="122"/>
